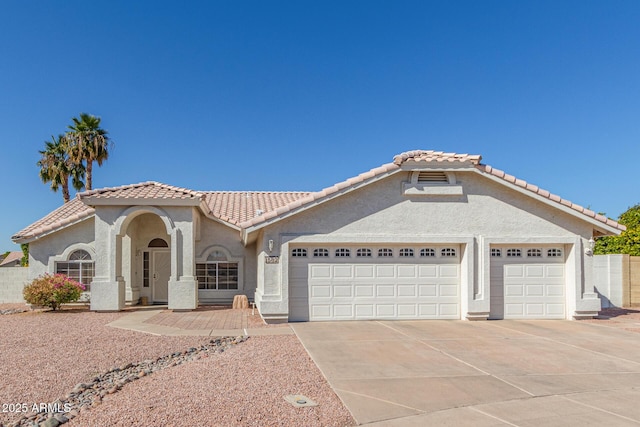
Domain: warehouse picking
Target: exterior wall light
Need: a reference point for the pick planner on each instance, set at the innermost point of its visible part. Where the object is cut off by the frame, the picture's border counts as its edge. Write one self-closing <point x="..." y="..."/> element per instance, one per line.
<point x="270" y="245"/>
<point x="590" y="245"/>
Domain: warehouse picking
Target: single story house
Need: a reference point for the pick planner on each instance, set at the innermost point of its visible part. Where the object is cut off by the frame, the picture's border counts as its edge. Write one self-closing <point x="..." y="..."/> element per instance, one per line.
<point x="431" y="235"/>
<point x="13" y="259"/>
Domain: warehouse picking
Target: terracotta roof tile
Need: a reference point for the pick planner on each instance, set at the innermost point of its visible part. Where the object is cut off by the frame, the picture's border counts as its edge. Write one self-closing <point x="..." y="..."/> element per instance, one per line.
<point x="436" y="156"/>
<point x="236" y="207"/>
<point x="249" y="208"/>
<point x="67" y="214"/>
<point x="143" y="190"/>
<point x="544" y="193"/>
<point x="11" y="258"/>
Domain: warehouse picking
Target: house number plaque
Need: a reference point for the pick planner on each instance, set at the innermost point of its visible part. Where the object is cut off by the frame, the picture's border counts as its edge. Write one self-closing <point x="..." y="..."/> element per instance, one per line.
<point x="272" y="260"/>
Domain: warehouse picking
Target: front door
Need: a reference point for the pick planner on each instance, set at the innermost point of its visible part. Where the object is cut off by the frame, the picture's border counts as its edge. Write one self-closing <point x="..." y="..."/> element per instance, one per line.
<point x="161" y="271"/>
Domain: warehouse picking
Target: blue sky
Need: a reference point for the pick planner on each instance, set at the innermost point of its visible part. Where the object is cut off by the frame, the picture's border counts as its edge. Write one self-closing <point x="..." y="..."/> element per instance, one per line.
<point x="299" y="95"/>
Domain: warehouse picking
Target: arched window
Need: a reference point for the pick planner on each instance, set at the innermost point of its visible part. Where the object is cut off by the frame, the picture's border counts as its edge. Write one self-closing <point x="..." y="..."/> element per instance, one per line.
<point x="217" y="273"/>
<point x="79" y="267"/>
<point x="158" y="243"/>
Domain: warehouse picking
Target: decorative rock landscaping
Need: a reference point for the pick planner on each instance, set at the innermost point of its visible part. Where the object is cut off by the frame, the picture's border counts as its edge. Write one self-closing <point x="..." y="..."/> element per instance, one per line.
<point x="84" y="396"/>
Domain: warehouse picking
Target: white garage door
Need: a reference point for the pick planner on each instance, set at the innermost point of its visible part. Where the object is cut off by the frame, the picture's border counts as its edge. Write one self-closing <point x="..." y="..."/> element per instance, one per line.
<point x="374" y="282"/>
<point x="528" y="282"/>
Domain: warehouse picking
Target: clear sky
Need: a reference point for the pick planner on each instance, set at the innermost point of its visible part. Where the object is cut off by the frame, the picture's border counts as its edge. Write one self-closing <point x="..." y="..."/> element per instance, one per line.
<point x="299" y="95"/>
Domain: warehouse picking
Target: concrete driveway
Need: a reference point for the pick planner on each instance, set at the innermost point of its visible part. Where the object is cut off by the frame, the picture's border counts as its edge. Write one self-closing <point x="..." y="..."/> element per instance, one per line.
<point x="493" y="373"/>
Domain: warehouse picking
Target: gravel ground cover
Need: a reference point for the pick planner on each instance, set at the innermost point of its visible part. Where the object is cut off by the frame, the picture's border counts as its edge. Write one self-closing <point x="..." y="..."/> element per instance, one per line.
<point x="45" y="354"/>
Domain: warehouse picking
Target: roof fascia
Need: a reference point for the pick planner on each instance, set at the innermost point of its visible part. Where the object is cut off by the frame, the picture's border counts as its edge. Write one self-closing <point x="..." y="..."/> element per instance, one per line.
<point x="557" y="205"/>
<point x="54" y="230"/>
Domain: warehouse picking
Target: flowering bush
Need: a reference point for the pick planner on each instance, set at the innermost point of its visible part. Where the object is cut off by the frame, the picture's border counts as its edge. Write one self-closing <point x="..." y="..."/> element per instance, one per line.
<point x="53" y="290"/>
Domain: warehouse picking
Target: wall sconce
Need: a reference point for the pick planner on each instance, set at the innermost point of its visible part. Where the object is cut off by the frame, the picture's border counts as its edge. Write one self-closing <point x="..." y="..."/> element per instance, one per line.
<point x="590" y="245"/>
<point x="270" y="245"/>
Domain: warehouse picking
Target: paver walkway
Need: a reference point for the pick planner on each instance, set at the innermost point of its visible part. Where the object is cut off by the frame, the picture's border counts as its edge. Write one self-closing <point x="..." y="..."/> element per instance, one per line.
<point x="204" y="321"/>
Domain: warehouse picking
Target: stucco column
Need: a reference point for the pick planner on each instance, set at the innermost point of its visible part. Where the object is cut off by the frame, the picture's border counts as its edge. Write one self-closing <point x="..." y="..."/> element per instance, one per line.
<point x="183" y="287"/>
<point x="107" y="287"/>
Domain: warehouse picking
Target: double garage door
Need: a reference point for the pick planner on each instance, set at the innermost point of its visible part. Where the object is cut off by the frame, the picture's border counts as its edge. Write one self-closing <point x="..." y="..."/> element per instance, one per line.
<point x="374" y="282"/>
<point x="528" y="282"/>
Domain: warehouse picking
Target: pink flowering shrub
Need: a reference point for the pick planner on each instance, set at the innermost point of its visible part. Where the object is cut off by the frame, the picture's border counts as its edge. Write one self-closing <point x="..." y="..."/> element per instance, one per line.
<point x="53" y="290"/>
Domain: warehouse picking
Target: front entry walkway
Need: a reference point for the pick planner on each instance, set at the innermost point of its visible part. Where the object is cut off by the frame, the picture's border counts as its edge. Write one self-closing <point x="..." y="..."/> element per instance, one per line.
<point x="204" y="321"/>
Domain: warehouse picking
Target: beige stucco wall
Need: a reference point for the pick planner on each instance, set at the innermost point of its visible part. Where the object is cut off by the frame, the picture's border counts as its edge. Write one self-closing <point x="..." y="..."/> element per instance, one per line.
<point x="216" y="235"/>
<point x="487" y="212"/>
<point x="43" y="251"/>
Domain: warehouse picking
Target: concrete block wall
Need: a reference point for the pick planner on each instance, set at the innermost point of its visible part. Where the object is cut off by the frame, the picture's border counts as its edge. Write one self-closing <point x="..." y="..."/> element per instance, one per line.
<point x="12" y="281"/>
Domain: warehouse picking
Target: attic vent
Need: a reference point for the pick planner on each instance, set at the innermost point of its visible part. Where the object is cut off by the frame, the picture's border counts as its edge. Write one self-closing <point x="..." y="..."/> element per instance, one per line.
<point x="431" y="176"/>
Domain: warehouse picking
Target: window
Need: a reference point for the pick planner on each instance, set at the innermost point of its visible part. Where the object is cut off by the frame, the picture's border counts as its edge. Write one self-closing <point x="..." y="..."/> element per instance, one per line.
<point x="553" y="253"/>
<point x="299" y="252"/>
<point x="217" y="273"/>
<point x="321" y="253"/>
<point x="363" y="253"/>
<point x="145" y="269"/>
<point x="343" y="253"/>
<point x="495" y="252"/>
<point x="80" y="267"/>
<point x="514" y="252"/>
<point x="448" y="252"/>
<point x="158" y="243"/>
<point x="406" y="252"/>
<point x="534" y="253"/>
<point x="385" y="252"/>
<point x="424" y="252"/>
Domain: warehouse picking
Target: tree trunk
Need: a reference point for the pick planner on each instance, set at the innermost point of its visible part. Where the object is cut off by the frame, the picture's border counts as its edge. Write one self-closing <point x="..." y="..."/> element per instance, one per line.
<point x="65" y="191"/>
<point x="88" y="185"/>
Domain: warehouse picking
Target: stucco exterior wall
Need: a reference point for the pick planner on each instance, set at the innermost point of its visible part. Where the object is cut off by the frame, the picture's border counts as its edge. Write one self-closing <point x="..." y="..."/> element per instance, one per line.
<point x="215" y="235"/>
<point x="609" y="279"/>
<point x="486" y="212"/>
<point x="12" y="282"/>
<point x="43" y="250"/>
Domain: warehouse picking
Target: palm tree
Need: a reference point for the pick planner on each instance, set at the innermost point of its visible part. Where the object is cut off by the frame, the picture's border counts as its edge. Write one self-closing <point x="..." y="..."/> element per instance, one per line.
<point x="87" y="142"/>
<point x="56" y="167"/>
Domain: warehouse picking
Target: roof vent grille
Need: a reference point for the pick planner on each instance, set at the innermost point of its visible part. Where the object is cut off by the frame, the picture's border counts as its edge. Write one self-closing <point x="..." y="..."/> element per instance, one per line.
<point x="431" y="176"/>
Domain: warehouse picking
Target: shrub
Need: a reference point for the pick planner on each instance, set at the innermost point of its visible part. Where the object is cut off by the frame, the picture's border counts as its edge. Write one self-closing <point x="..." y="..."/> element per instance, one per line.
<point x="52" y="290"/>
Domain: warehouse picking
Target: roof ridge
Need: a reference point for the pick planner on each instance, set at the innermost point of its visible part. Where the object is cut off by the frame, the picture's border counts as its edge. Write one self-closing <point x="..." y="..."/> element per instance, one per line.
<point x="437" y="156"/>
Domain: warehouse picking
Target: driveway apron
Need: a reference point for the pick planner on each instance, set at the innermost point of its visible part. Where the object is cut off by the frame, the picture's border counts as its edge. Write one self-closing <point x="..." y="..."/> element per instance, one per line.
<point x="493" y="373"/>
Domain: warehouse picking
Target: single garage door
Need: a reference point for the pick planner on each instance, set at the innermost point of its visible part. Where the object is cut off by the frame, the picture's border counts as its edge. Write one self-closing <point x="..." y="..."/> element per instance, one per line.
<point x="374" y="282"/>
<point x="528" y="282"/>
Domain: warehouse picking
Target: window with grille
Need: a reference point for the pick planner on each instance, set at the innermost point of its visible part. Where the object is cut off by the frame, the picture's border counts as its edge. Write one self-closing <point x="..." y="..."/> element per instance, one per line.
<point x="448" y="252"/>
<point x="299" y="252"/>
<point x="496" y="252"/>
<point x="385" y="252"/>
<point x="363" y="253"/>
<point x="426" y="252"/>
<point x="534" y="253"/>
<point x="79" y="267"/>
<point x="321" y="253"/>
<point x="514" y="252"/>
<point x="406" y="252"/>
<point x="217" y="273"/>
<point x="343" y="253"/>
<point x="552" y="253"/>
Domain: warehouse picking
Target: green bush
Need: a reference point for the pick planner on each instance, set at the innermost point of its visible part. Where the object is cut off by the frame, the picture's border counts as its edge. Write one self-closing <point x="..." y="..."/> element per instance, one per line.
<point x="52" y="290"/>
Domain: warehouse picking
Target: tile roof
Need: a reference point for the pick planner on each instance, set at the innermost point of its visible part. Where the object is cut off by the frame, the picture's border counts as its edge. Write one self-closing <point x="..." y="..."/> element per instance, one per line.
<point x="143" y="190"/>
<point x="67" y="214"/>
<point x="237" y="207"/>
<point x="544" y="193"/>
<point x="436" y="156"/>
<point x="11" y="258"/>
<point x="250" y="208"/>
